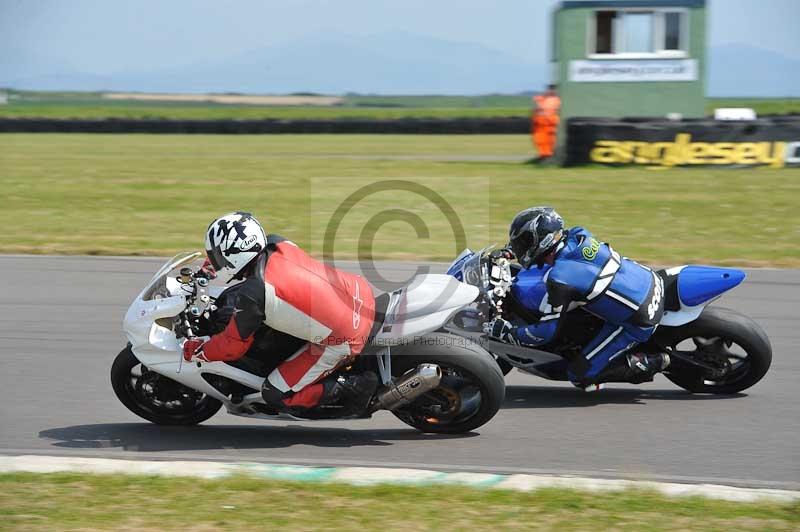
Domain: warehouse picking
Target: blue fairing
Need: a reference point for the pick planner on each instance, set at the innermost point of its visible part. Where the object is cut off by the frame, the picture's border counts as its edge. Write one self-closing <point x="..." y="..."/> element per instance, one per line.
<point x="698" y="284"/>
<point x="529" y="287"/>
<point x="455" y="267"/>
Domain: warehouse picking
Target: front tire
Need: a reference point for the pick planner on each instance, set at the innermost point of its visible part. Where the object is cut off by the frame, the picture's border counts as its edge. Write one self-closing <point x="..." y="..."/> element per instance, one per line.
<point x="470" y="393"/>
<point x="715" y="334"/>
<point x="156" y="398"/>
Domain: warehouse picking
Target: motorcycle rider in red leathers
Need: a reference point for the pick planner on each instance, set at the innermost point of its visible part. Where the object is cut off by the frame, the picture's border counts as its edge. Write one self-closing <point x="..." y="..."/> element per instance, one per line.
<point x="286" y="289"/>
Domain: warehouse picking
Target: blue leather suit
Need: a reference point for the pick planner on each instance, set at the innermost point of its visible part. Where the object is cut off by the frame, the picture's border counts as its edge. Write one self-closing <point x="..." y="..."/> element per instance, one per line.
<point x="627" y="296"/>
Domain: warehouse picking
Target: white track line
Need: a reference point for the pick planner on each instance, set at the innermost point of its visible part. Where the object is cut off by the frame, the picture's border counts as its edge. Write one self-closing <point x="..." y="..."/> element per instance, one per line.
<point x="378" y="475"/>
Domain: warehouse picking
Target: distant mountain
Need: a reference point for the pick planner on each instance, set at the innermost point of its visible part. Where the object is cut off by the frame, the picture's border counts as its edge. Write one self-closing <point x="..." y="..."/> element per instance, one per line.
<point x="396" y="63"/>
<point x="19" y="62"/>
<point x="61" y="81"/>
<point x="742" y="70"/>
<point x="386" y="63"/>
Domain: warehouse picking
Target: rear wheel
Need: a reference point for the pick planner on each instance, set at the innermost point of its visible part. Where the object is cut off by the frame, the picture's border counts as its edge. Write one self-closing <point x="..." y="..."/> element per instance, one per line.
<point x="734" y="348"/>
<point x="155" y="397"/>
<point x="505" y="366"/>
<point x="471" y="390"/>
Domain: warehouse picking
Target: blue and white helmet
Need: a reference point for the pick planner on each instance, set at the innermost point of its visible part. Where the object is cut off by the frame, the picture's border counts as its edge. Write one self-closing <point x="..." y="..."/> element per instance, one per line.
<point x="232" y="242"/>
<point x="534" y="233"/>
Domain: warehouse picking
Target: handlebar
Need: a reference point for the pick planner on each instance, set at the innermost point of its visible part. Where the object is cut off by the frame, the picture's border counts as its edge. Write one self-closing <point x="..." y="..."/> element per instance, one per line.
<point x="490" y="272"/>
<point x="198" y="301"/>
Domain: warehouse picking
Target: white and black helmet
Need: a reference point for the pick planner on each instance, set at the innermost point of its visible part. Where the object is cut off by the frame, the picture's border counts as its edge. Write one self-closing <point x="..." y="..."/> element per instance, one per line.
<point x="232" y="242"/>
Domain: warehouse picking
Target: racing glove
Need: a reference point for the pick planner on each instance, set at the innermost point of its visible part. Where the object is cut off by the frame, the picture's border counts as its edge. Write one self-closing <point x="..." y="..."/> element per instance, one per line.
<point x="207" y="270"/>
<point x="504" y="253"/>
<point x="502" y="330"/>
<point x="193" y="350"/>
<point x="500" y="279"/>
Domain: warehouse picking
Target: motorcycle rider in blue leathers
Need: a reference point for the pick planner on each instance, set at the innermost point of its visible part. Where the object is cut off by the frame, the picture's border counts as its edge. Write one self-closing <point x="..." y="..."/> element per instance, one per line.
<point x="584" y="272"/>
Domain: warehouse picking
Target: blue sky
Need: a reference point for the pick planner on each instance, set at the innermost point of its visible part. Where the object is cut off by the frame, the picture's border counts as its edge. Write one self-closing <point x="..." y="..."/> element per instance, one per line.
<point x="110" y="37"/>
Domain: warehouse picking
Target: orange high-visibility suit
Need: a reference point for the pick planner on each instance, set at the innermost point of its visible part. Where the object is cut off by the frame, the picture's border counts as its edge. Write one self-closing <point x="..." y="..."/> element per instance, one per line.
<point x="544" y="123"/>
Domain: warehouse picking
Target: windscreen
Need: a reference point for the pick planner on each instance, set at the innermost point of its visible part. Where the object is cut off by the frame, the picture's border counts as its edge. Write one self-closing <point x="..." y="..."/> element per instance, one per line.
<point x="158" y="283"/>
<point x="473" y="272"/>
<point x="176" y="262"/>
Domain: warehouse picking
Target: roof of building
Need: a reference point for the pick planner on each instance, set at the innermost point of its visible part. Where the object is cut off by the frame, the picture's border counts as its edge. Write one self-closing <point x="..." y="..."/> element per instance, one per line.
<point x="572" y="4"/>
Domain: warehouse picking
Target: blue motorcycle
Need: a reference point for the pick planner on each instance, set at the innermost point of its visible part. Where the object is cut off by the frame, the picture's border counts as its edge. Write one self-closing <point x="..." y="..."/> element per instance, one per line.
<point x="712" y="349"/>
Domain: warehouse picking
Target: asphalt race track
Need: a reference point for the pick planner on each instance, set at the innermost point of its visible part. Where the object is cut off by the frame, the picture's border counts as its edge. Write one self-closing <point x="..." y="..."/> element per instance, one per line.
<point x="60" y="329"/>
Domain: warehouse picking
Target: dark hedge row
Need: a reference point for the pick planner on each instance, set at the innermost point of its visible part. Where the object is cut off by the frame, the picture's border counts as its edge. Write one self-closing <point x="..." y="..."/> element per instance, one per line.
<point x="411" y="126"/>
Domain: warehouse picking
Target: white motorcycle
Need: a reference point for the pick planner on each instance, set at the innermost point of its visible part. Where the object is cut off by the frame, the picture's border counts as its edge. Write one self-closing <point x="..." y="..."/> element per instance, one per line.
<point x="430" y="379"/>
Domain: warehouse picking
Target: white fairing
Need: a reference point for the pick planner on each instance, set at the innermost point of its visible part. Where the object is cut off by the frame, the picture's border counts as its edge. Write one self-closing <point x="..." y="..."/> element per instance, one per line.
<point x="144" y="334"/>
<point x="158" y="348"/>
<point x="147" y="338"/>
<point x="423" y="306"/>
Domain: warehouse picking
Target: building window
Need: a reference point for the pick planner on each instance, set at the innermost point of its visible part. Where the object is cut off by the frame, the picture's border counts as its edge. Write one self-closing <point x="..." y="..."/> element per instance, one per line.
<point x="637" y="28"/>
<point x="672" y="30"/>
<point x="639" y="33"/>
<point x="605" y="31"/>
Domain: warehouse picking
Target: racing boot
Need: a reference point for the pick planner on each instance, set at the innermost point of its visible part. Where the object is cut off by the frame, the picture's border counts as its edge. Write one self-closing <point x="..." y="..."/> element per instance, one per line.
<point x="635" y="368"/>
<point x="352" y="391"/>
<point x="643" y="366"/>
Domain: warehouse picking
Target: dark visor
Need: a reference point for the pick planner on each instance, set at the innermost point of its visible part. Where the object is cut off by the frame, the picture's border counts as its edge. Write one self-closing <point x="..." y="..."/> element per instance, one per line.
<point x="216" y="258"/>
<point x="522" y="244"/>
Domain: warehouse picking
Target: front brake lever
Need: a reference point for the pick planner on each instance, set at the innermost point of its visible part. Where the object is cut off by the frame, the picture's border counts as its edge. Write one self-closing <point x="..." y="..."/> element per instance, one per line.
<point x="199" y="291"/>
<point x="189" y="333"/>
<point x="199" y="303"/>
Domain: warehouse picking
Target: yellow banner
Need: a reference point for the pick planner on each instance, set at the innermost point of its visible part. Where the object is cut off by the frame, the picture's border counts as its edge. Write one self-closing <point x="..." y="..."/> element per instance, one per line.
<point x="682" y="151"/>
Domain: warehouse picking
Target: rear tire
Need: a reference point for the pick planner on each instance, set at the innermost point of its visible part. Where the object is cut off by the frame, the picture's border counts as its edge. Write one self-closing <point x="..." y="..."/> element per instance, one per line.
<point x="505" y="366"/>
<point x="729" y="326"/>
<point x="189" y="407"/>
<point x="466" y="367"/>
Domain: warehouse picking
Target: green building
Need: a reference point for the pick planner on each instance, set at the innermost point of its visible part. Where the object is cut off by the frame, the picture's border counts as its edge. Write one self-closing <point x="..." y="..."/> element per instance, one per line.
<point x="630" y="58"/>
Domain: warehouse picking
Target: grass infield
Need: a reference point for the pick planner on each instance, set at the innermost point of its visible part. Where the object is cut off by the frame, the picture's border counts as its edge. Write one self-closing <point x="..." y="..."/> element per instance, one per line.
<point x="103" y="502"/>
<point x="155" y="195"/>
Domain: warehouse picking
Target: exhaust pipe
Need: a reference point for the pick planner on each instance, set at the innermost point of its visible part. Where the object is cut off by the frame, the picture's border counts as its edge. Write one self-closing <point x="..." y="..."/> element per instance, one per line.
<point x="408" y="387"/>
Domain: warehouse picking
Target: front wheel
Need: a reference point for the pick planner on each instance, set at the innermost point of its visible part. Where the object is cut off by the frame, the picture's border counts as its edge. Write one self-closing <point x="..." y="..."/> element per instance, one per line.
<point x="732" y="344"/>
<point x="156" y="398"/>
<point x="471" y="390"/>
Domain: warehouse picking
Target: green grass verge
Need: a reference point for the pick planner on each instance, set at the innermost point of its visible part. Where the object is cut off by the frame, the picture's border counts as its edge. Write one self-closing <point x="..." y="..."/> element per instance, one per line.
<point x="144" y="110"/>
<point x="155" y="194"/>
<point x="93" y="105"/>
<point x="762" y="106"/>
<point x="486" y="100"/>
<point x="104" y="502"/>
